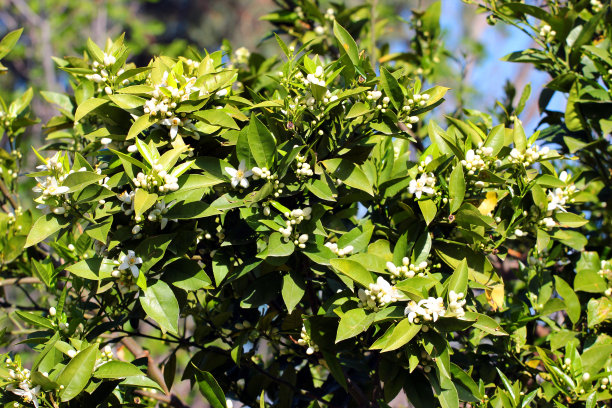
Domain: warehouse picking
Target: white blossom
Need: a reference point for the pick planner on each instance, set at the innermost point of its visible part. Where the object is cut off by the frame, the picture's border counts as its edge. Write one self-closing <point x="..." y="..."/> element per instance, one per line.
<point x="422" y="185"/>
<point x="239" y="176"/>
<point x="129" y="261"/>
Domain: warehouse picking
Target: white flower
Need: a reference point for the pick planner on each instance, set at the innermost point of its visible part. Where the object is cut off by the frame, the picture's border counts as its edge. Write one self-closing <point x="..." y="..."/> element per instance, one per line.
<point x="557" y="199"/>
<point x="29" y="395"/>
<point x="378" y="294"/>
<point x="434" y="308"/>
<point x="549" y="222"/>
<point x="129" y="261"/>
<point x="413" y="311"/>
<point x="239" y="176"/>
<point x="421" y="185"/>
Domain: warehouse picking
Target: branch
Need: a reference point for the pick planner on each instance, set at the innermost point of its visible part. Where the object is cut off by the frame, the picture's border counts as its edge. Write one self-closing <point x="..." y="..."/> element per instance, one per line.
<point x="153" y="370"/>
<point x="7" y="194"/>
<point x="17" y="281"/>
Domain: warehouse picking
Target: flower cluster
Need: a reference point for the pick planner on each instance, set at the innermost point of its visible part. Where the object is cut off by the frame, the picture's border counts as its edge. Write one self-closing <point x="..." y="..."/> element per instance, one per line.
<point x="303" y="168"/>
<point x="532" y="154"/>
<point x="378" y="295"/>
<point x="547" y="33"/>
<point x="103" y="75"/>
<point x="21" y="384"/>
<point x="339" y="251"/>
<point x="105" y="356"/>
<point x="172" y="90"/>
<point x="606" y="272"/>
<point x="456" y="301"/>
<point x="316" y="78"/>
<point x="425" y="310"/>
<point x="295" y="217"/>
<point x="474" y="161"/>
<point x="558" y="198"/>
<point x="158" y="179"/>
<point x="406" y="270"/>
<point x="50" y="186"/>
<point x="306" y="341"/>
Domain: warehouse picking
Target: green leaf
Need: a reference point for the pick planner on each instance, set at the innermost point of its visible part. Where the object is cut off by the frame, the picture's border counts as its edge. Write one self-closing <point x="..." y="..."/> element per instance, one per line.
<point x="598" y="311"/>
<point x="495" y="139"/>
<point x="429" y="210"/>
<point x="88" y="106"/>
<point x="261" y="143"/>
<point x="573" y="116"/>
<point x="486" y="324"/>
<point x="459" y="279"/>
<point x="95" y="51"/>
<point x="352" y="323"/>
<point x="349" y="173"/>
<point x="92" y="269"/>
<point x="346" y="43"/>
<point x="75" y="376"/>
<point x="293" y="290"/>
<point x="143" y="201"/>
<point x="572" y="302"/>
<point x="518" y="135"/>
<point x="9" y="41"/>
<point x="210" y="389"/>
<point x="392" y="88"/>
<point x="127" y="101"/>
<point x="401" y="335"/>
<point x="354" y="271"/>
<point x="569" y="220"/>
<point x="44" y="227"/>
<point x="187" y="275"/>
<point x="141" y="124"/>
<point x="161" y="305"/>
<point x="34" y="319"/>
<point x="117" y="369"/>
<point x="277" y="247"/>
<point x="358" y="109"/>
<point x="456" y="188"/>
<point x="80" y="179"/>
<point x="589" y="281"/>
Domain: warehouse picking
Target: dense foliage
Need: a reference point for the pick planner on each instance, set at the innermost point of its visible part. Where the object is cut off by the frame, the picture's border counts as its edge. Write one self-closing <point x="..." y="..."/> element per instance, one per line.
<point x="296" y="230"/>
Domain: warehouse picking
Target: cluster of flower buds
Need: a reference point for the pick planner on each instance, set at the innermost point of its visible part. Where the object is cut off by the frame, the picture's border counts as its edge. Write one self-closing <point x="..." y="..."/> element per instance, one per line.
<point x="106" y="355"/>
<point x="456" y="301"/>
<point x="303" y="168"/>
<point x="295" y="217"/>
<point x="547" y="33"/>
<point x="158" y="180"/>
<point x="425" y="310"/>
<point x="6" y="118"/>
<point x="373" y="95"/>
<point x="532" y="154"/>
<point x="347" y="250"/>
<point x="316" y="78"/>
<point x="20" y="382"/>
<point x="548" y="222"/>
<point x="263" y="173"/>
<point x="406" y="270"/>
<point x="103" y="74"/>
<point x="378" y="295"/>
<point x="306" y="341"/>
<point x="474" y="161"/>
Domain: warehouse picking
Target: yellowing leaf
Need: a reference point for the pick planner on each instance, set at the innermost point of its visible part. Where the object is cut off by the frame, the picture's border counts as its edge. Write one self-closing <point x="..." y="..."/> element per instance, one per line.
<point x="488" y="204"/>
<point x="495" y="296"/>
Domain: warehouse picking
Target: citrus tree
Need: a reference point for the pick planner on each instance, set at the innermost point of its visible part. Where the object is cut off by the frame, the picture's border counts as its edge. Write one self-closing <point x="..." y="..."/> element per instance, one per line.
<point x="296" y="230"/>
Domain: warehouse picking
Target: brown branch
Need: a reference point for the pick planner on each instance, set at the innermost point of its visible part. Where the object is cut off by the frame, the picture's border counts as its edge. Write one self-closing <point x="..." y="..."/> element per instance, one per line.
<point x="5" y="191"/>
<point x="16" y="281"/>
<point x="153" y="370"/>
